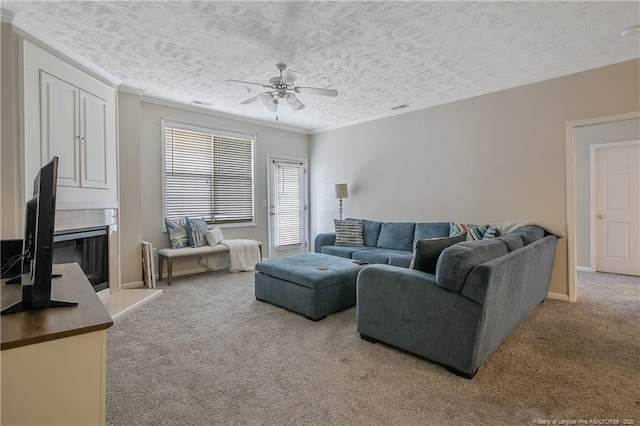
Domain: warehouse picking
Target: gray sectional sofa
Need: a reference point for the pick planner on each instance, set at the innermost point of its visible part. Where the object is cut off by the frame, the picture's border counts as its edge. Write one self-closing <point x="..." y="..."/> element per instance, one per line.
<point x="480" y="291"/>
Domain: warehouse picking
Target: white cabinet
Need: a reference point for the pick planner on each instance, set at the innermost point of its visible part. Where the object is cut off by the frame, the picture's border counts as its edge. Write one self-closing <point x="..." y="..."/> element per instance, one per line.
<point x="72" y="115"/>
<point x="74" y="128"/>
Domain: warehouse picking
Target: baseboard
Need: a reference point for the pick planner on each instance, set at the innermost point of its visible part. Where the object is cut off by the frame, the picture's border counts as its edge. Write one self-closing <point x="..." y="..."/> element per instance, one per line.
<point x="134" y="284"/>
<point x="558" y="296"/>
<point x="584" y="269"/>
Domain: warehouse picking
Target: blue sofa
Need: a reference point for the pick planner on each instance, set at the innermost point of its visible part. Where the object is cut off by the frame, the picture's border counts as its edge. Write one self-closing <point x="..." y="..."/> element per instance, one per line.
<point x="480" y="292"/>
<point x="389" y="243"/>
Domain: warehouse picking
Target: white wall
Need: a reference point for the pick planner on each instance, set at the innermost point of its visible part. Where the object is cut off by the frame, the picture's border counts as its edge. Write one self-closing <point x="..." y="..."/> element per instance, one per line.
<point x="498" y="157"/>
<point x="148" y="187"/>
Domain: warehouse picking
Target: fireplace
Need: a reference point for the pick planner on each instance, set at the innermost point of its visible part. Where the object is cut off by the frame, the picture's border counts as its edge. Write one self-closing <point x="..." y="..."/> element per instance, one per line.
<point x="89" y="247"/>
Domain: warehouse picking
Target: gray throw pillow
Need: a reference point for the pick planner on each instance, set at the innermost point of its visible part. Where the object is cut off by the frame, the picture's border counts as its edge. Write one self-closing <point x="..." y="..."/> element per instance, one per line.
<point x="349" y="232"/>
<point x="428" y="251"/>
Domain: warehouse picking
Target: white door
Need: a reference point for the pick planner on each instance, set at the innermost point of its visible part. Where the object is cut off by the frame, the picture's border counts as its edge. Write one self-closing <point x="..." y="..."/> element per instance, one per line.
<point x="60" y="128"/>
<point x="287" y="207"/>
<point x="618" y="209"/>
<point x="93" y="146"/>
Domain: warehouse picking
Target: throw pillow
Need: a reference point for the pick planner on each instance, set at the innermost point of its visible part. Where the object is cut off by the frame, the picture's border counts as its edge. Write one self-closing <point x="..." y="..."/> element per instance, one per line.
<point x="456" y="229"/>
<point x="476" y="233"/>
<point x="196" y="229"/>
<point x="492" y="232"/>
<point x="177" y="234"/>
<point x="349" y="232"/>
<point x="428" y="251"/>
<point x="214" y="236"/>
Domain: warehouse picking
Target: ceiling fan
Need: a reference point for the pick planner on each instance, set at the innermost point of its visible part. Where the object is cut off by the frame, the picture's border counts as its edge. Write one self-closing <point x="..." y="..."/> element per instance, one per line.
<point x="282" y="88"/>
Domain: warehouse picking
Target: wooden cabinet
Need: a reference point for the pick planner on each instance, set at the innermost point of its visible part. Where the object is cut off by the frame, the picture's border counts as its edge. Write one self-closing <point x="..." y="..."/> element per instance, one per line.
<point x="53" y="369"/>
<point x="74" y="127"/>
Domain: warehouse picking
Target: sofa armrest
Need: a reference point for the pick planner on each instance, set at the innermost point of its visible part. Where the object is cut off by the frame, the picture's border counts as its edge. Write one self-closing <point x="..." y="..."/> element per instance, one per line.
<point x="325" y="239"/>
<point x="407" y="309"/>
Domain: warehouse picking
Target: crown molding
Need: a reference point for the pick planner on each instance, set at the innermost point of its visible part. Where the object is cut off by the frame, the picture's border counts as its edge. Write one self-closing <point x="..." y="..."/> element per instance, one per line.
<point x="29" y="32"/>
<point x="131" y="90"/>
<point x="157" y="100"/>
<point x="6" y="16"/>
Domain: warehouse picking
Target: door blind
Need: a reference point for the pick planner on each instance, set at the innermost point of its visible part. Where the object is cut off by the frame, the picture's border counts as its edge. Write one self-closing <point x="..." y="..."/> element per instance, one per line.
<point x="208" y="175"/>
<point x="288" y="204"/>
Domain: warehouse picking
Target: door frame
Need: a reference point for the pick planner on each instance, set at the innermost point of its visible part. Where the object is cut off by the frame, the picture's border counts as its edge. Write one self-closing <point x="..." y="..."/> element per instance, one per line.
<point x="305" y="227"/>
<point x="572" y="191"/>
<point x="592" y="194"/>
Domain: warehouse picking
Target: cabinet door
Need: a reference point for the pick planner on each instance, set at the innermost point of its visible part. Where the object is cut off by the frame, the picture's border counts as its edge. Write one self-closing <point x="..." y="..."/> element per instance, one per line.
<point x="59" y="127"/>
<point x="93" y="146"/>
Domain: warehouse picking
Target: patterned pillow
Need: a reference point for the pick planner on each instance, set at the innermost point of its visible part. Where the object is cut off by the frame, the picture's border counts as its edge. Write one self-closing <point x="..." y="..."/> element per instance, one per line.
<point x="196" y="229"/>
<point x="474" y="233"/>
<point x="477" y="232"/>
<point x="349" y="232"/>
<point x="456" y="229"/>
<point x="177" y="233"/>
<point x="492" y="232"/>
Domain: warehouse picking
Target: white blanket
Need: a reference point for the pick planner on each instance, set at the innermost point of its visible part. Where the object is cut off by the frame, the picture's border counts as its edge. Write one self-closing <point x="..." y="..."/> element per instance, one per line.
<point x="243" y="254"/>
<point x="506" y="227"/>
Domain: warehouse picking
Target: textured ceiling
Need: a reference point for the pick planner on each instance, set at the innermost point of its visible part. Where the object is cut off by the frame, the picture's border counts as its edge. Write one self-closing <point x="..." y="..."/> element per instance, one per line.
<point x="378" y="55"/>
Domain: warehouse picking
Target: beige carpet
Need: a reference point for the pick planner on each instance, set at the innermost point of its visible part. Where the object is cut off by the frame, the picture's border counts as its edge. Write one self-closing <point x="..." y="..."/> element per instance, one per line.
<point x="207" y="353"/>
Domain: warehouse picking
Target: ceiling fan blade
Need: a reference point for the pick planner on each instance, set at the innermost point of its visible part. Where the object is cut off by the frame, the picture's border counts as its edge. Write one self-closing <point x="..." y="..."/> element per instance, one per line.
<point x="251" y="83"/>
<point x="316" y="91"/>
<point x="289" y="76"/>
<point x="254" y="99"/>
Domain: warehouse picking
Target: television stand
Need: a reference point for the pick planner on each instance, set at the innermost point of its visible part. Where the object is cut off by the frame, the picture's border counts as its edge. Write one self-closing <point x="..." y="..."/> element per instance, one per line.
<point x="60" y="352"/>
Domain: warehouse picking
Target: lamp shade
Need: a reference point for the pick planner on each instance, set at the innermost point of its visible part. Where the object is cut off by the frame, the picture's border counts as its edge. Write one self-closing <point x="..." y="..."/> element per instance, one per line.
<point x="342" y="191"/>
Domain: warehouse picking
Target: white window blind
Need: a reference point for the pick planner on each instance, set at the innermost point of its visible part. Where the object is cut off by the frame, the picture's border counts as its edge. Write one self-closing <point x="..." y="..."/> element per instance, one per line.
<point x="288" y="204"/>
<point x="208" y="174"/>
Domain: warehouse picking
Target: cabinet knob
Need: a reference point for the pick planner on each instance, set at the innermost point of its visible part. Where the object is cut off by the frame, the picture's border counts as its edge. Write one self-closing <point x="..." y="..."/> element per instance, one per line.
<point x="600" y="216"/>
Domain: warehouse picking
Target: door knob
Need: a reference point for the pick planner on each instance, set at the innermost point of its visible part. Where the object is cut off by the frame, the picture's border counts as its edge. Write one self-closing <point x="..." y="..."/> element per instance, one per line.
<point x="600" y="216"/>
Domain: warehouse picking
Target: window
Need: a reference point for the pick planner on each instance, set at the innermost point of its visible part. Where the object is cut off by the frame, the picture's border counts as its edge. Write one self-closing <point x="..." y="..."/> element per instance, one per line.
<point x="208" y="173"/>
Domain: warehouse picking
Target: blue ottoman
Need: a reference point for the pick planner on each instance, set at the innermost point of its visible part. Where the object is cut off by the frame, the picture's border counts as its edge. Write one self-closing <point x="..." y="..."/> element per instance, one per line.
<point x="297" y="284"/>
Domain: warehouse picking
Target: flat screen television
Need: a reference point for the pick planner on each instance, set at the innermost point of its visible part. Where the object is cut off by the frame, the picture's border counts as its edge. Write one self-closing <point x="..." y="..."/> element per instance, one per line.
<point x="38" y="244"/>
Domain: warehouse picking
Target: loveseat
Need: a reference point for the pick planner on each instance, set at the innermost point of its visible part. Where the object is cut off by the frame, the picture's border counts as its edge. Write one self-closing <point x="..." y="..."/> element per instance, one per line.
<point x="459" y="313"/>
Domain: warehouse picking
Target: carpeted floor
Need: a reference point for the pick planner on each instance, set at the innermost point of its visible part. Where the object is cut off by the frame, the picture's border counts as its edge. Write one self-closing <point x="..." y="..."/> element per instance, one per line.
<point x="207" y="353"/>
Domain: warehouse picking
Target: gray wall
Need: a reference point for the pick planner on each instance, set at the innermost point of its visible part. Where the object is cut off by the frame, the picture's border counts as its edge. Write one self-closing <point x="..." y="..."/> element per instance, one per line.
<point x="497" y="157"/>
<point x="141" y="175"/>
<point x="619" y="131"/>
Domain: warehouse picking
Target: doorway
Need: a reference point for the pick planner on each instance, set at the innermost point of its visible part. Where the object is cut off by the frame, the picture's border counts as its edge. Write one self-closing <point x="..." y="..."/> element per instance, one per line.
<point x="579" y="134"/>
<point x="615" y="208"/>
<point x="288" y="201"/>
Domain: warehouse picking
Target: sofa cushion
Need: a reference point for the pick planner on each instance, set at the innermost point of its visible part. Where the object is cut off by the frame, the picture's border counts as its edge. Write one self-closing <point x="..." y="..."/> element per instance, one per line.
<point x="529" y="233"/>
<point x="401" y="260"/>
<point x="397" y="236"/>
<point x="426" y="231"/>
<point x="342" y="251"/>
<point x="428" y="251"/>
<point x="371" y="232"/>
<point x="513" y="241"/>
<point x="378" y="255"/>
<point x="349" y="232"/>
<point x="458" y="260"/>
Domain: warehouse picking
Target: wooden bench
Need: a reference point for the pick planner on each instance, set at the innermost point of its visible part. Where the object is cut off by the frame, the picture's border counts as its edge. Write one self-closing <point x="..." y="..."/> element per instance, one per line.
<point x="169" y="254"/>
